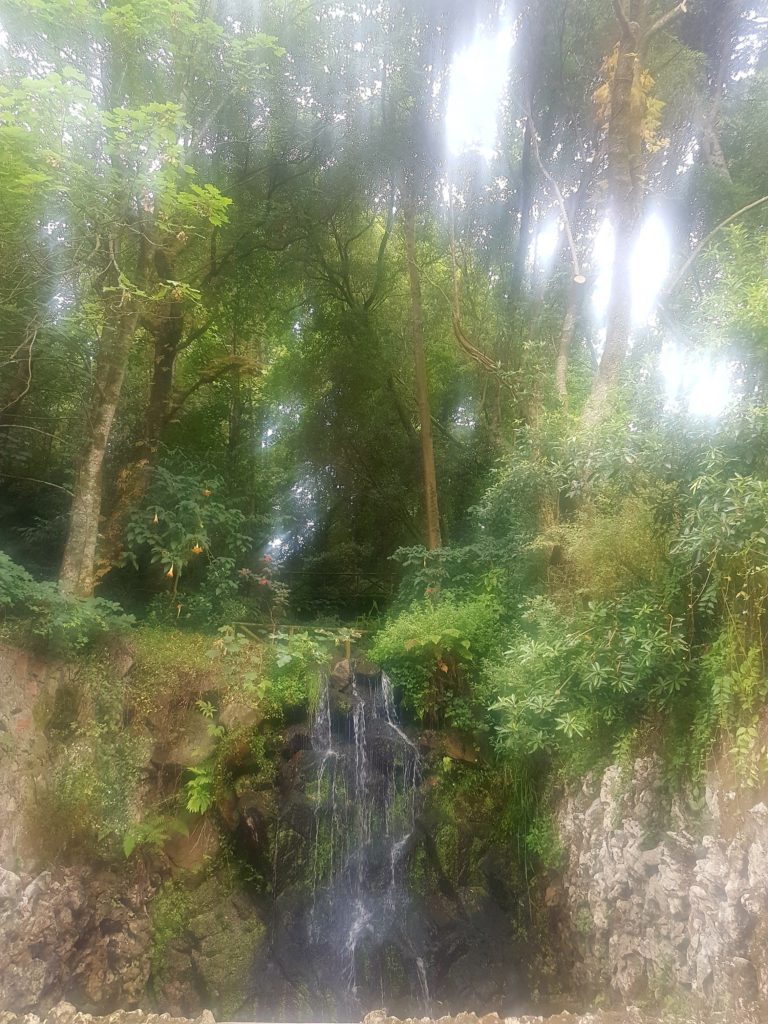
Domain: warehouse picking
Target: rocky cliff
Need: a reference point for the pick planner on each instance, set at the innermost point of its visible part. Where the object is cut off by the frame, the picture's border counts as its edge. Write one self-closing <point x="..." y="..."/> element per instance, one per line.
<point x="660" y="901"/>
<point x="108" y="931"/>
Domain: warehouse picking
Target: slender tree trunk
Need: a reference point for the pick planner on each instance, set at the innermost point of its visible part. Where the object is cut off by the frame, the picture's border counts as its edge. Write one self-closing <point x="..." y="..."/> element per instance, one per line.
<point x="429" y="476"/>
<point x="525" y="208"/>
<point x="236" y="411"/>
<point x="77" y="569"/>
<point x="573" y="306"/>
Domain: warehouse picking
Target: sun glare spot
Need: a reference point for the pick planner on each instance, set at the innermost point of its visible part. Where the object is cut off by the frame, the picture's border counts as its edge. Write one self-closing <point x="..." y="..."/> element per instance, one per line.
<point x="478" y="76"/>
<point x="649" y="267"/>
<point x="546" y="244"/>
<point x="695" y="382"/>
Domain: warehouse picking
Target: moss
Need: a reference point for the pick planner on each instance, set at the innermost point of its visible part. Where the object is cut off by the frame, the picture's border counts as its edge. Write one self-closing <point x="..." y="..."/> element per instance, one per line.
<point x="583" y="922"/>
<point x="170" y="666"/>
<point x="224" y="933"/>
<point x="169" y="914"/>
<point x="88" y="800"/>
<point x="226" y="957"/>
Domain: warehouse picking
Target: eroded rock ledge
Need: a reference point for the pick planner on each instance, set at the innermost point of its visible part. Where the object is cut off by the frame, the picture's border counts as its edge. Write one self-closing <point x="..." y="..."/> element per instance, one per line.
<point x="65" y="1013"/>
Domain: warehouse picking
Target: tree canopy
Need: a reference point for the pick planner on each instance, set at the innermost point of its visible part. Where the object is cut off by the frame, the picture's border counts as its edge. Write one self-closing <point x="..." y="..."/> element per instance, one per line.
<point x="298" y="285"/>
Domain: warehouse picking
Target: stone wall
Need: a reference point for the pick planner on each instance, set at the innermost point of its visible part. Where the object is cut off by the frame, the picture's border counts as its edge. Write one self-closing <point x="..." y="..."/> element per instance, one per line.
<point x="658" y="901"/>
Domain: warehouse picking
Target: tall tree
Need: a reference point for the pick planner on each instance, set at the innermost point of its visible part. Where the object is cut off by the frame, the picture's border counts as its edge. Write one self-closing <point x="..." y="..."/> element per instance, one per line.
<point x="631" y="119"/>
<point x="428" y="474"/>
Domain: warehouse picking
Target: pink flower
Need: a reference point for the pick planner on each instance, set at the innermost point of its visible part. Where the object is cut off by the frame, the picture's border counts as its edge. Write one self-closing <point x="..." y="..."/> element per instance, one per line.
<point x="262" y="582"/>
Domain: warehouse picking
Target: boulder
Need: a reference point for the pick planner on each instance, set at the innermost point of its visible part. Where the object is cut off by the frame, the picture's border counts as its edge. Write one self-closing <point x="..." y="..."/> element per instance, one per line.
<point x="190" y="743"/>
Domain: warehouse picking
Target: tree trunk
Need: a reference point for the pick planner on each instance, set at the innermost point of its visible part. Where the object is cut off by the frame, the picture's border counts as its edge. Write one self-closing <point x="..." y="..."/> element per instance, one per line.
<point x="726" y="15"/>
<point x="429" y="476"/>
<point x="618" y="328"/>
<point x="167" y="340"/>
<point x="77" y="574"/>
<point x="626" y="181"/>
<point x="133" y="478"/>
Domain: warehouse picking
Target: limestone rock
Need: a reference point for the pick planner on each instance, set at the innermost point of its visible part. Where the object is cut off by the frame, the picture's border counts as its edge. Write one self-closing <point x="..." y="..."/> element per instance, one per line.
<point x="652" y="910"/>
<point x="74" y="933"/>
<point x="189" y="744"/>
<point x="193" y="852"/>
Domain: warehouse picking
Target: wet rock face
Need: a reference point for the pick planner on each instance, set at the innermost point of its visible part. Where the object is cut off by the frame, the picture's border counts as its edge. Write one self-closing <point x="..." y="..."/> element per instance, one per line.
<point x="72" y="932"/>
<point x="208" y="962"/>
<point x="656" y="902"/>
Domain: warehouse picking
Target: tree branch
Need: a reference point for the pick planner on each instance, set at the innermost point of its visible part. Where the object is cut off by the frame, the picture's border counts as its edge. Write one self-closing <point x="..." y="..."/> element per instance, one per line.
<point x="34" y="480"/>
<point x="680" y="275"/>
<point x="618" y="7"/>
<point x="197" y="333"/>
<point x="30" y="342"/>
<point x="680" y="8"/>
<point x="577" y="274"/>
<point x="378" y="275"/>
<point x="210" y="376"/>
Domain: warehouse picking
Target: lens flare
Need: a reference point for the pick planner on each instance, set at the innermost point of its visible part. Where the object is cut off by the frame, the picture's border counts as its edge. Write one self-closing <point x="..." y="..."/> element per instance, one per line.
<point x="478" y="76"/>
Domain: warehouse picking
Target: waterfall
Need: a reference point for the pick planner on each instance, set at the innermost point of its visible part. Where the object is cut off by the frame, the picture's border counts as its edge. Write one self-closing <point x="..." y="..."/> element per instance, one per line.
<point x="365" y="794"/>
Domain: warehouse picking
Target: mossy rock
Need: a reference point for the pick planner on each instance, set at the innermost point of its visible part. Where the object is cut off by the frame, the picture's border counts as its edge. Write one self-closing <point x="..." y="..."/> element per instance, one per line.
<point x="216" y="942"/>
<point x="229" y="935"/>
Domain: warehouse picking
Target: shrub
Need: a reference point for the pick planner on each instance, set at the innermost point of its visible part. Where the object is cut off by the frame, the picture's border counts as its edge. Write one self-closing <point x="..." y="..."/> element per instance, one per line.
<point x="588" y="673"/>
<point x="434" y="651"/>
<point x="51" y="620"/>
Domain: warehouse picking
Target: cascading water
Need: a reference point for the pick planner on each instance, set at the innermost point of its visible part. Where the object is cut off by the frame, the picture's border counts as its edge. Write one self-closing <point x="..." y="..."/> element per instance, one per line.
<point x="366" y="796"/>
<point x="372" y="900"/>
